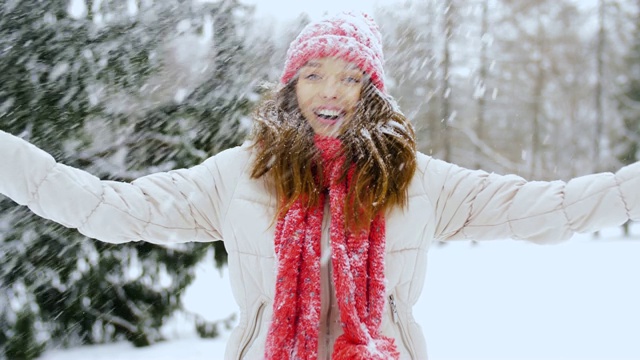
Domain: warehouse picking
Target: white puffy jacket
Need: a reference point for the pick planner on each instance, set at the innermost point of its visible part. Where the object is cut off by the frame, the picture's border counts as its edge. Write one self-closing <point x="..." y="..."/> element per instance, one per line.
<point x="218" y="200"/>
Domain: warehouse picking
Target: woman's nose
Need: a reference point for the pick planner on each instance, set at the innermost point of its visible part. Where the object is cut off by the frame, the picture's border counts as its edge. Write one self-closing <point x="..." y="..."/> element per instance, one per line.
<point x="330" y="89"/>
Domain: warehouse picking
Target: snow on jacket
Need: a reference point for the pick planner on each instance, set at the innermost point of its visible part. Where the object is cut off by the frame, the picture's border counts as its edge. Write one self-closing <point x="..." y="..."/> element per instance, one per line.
<point x="218" y="200"/>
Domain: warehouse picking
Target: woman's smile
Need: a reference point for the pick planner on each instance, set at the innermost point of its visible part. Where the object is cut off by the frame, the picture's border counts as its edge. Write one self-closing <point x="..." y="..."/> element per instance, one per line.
<point x="329" y="115"/>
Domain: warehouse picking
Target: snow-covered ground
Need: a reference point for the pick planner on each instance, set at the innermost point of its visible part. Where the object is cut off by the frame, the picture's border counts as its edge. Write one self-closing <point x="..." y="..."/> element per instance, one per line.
<point x="499" y="300"/>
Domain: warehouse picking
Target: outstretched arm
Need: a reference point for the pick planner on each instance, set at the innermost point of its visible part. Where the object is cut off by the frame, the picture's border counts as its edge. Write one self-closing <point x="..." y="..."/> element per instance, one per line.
<point x="477" y="205"/>
<point x="177" y="206"/>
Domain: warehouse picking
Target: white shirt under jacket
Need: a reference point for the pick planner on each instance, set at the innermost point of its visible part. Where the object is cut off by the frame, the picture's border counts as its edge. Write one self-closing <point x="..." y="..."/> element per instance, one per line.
<point x="218" y="200"/>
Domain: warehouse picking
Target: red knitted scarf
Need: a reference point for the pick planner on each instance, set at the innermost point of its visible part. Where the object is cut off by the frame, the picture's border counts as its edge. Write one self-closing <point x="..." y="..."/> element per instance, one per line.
<point x="358" y="276"/>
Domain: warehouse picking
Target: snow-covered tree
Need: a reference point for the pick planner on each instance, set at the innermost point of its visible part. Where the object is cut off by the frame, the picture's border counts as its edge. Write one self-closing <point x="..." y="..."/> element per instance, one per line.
<point x="120" y="89"/>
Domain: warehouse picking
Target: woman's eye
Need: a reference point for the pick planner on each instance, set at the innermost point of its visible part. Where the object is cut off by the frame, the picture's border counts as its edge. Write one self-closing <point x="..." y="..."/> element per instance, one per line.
<point x="351" y="80"/>
<point x="312" y="77"/>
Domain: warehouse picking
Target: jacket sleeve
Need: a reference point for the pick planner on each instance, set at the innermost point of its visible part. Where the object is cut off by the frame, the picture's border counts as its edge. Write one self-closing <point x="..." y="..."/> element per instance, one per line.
<point x="177" y="206"/>
<point x="473" y="204"/>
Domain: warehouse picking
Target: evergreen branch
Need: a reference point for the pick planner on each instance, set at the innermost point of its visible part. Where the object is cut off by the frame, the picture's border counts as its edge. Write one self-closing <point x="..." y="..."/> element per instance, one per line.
<point x="111" y="319"/>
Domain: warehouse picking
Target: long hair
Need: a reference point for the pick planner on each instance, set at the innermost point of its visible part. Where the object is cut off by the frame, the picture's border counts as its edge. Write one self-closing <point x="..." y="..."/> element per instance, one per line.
<point x="379" y="141"/>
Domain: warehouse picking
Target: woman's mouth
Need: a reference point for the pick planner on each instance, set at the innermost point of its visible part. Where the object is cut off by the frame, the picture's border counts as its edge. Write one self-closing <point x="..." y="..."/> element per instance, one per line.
<point x="329" y="116"/>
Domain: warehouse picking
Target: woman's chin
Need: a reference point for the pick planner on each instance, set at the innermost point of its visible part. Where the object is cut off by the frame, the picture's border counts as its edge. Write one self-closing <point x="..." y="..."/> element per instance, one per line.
<point x="329" y="131"/>
<point x="328" y="128"/>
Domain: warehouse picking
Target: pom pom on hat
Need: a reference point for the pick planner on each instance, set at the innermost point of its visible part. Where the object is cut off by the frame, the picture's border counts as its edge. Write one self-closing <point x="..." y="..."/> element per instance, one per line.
<point x="349" y="36"/>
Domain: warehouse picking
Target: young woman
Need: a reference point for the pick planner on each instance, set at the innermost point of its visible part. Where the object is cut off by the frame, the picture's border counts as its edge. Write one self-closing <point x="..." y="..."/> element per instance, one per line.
<point x="327" y="212"/>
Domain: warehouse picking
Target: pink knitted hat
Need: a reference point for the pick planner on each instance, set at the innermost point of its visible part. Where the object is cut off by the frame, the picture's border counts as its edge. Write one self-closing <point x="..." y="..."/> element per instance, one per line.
<point x="352" y="37"/>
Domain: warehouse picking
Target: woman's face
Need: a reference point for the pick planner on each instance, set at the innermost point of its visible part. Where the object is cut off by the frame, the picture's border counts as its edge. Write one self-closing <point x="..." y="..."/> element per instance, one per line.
<point x="328" y="91"/>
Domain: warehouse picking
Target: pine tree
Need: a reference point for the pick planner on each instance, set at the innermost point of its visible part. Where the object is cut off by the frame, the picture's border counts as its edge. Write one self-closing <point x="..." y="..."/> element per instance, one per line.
<point x="42" y="79"/>
<point x="75" y="86"/>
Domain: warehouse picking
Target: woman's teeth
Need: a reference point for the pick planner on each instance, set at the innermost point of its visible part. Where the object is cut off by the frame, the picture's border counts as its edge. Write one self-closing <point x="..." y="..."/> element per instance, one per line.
<point x="329" y="114"/>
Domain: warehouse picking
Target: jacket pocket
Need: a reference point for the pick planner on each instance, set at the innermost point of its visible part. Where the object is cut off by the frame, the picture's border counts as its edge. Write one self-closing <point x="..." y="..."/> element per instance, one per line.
<point x="404" y="334"/>
<point x="253" y="330"/>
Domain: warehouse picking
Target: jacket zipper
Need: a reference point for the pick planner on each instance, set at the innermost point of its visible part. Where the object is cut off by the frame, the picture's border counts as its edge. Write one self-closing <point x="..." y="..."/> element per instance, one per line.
<point x="257" y="320"/>
<point x="403" y="332"/>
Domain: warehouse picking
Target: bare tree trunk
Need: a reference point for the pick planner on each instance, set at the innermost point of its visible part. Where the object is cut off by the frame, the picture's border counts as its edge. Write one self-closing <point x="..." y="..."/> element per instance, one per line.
<point x="482" y="80"/>
<point x="537" y="100"/>
<point x="433" y="118"/>
<point x="599" y="121"/>
<point x="446" y="86"/>
<point x="598" y="95"/>
<point x="625" y="227"/>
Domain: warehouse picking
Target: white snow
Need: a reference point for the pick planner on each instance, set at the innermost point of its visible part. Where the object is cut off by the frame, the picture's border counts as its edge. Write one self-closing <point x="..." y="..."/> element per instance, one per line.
<point x="498" y="300"/>
<point x="58" y="70"/>
<point x="183" y="349"/>
<point x="132" y="8"/>
<point x="77" y="9"/>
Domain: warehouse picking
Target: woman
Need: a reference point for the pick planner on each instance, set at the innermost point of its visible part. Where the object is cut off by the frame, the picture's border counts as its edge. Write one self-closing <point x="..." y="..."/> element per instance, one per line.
<point x="328" y="212"/>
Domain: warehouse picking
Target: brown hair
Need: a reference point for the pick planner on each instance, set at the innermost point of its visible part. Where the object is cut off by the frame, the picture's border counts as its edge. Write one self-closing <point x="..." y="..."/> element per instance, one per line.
<point x="379" y="140"/>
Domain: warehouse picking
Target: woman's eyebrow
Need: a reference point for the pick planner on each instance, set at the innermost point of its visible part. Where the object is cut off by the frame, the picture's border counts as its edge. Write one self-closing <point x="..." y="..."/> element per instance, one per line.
<point x="313" y="64"/>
